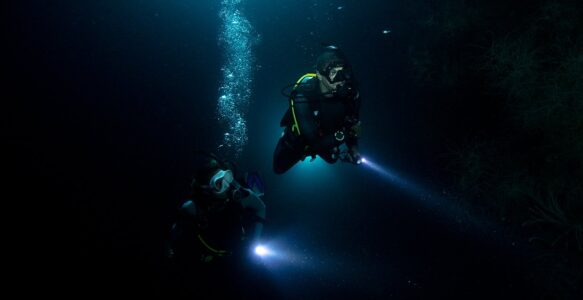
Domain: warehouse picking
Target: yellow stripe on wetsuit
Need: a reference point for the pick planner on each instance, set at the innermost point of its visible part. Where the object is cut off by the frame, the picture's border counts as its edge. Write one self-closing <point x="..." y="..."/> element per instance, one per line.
<point x="217" y="252"/>
<point x="296" y="127"/>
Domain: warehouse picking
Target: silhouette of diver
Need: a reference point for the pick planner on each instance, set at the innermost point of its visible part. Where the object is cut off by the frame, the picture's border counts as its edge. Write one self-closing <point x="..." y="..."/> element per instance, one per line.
<point x="323" y="115"/>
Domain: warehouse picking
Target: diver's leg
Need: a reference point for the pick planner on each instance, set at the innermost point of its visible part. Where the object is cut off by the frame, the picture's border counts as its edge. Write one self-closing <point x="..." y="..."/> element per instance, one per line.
<point x="287" y="153"/>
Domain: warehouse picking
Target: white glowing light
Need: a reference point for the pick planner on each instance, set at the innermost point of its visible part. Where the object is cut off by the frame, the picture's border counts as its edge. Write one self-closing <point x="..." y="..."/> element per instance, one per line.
<point x="261" y="251"/>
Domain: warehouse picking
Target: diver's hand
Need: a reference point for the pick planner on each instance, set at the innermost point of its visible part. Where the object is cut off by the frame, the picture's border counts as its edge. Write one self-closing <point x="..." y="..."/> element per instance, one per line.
<point x="353" y="156"/>
<point x="355" y="130"/>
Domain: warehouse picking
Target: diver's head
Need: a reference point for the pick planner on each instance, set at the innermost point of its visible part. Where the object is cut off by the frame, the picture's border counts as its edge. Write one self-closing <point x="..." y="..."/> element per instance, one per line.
<point x="333" y="70"/>
<point x="213" y="176"/>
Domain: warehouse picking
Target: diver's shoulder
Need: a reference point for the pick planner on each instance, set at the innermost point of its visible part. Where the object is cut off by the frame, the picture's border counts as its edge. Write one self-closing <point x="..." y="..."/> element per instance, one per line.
<point x="307" y="83"/>
<point x="188" y="207"/>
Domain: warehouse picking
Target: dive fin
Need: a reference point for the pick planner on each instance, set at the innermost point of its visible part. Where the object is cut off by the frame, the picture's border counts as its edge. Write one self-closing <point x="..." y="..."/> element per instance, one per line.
<point x="255" y="183"/>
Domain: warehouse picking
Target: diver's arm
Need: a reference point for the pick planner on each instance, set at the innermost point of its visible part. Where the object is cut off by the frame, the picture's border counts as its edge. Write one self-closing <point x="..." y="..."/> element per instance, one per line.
<point x="309" y="130"/>
<point x="355" y="106"/>
<point x="353" y="112"/>
<point x="184" y="226"/>
<point x="187" y="217"/>
<point x="351" y="128"/>
<point x="255" y="204"/>
<point x="352" y="143"/>
<point x="352" y="121"/>
<point x="324" y="143"/>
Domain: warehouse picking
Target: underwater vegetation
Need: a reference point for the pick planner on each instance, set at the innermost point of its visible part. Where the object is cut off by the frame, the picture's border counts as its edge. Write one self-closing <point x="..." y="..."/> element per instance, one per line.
<point x="540" y="71"/>
<point x="523" y="163"/>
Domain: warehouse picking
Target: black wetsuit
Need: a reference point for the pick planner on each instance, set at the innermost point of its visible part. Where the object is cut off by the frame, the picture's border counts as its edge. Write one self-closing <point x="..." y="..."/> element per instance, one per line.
<point x="319" y="117"/>
<point x="212" y="227"/>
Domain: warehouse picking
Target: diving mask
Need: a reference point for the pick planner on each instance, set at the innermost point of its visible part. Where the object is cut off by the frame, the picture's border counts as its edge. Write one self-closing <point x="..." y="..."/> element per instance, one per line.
<point x="336" y="74"/>
<point x="221" y="181"/>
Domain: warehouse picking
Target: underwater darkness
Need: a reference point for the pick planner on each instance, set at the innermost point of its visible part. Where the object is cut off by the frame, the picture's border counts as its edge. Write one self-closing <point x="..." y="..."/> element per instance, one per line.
<point x="475" y="109"/>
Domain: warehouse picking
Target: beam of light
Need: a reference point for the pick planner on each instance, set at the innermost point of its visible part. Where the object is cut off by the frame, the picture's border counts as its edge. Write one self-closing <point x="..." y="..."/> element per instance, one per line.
<point x="295" y="260"/>
<point x="277" y="255"/>
<point x="424" y="194"/>
<point x="237" y="39"/>
<point x="440" y="202"/>
<point x="274" y="253"/>
<point x="394" y="178"/>
<point x="385" y="173"/>
<point x="271" y="255"/>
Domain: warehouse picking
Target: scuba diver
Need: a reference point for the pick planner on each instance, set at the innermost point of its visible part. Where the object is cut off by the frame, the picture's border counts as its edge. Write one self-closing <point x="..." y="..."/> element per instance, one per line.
<point x="323" y="115"/>
<point x="222" y="217"/>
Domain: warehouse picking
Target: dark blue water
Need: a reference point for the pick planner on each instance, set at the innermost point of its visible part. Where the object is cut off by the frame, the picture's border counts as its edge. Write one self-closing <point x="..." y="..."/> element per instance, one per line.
<point x="110" y="99"/>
